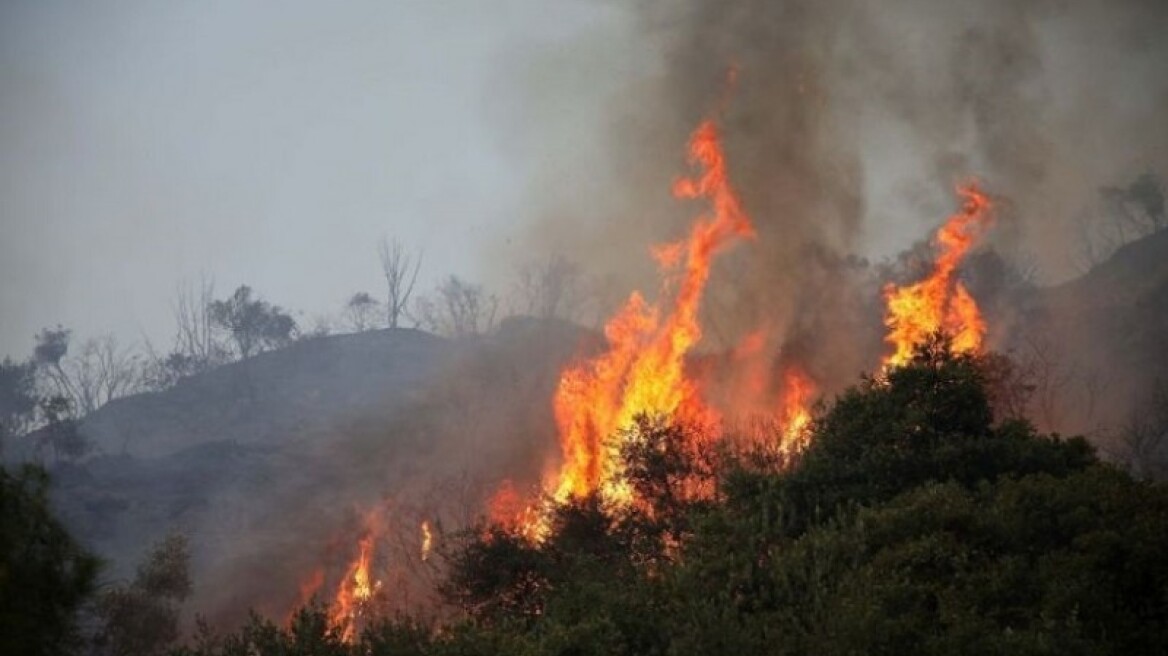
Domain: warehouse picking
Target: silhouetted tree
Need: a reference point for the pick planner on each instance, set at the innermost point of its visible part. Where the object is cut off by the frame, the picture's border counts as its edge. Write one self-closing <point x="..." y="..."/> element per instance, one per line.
<point x="197" y="347"/>
<point x="62" y="430"/>
<point x="551" y="288"/>
<point x="45" y="576"/>
<point x="98" y="373"/>
<point x="51" y="346"/>
<point x="361" y="312"/>
<point x="253" y="324"/>
<point x="400" y="270"/>
<point x="141" y="619"/>
<point x="18" y="398"/>
<point x="457" y="309"/>
<point x="1129" y="213"/>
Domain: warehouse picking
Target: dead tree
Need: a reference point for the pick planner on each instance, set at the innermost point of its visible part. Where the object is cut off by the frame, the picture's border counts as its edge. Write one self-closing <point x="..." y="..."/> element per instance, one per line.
<point x="456" y="309"/>
<point x="553" y="288"/>
<point x="101" y="372"/>
<point x="401" y="273"/>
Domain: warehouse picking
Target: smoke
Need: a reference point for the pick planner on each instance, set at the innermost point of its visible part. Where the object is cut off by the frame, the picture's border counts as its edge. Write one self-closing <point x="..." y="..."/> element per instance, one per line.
<point x="847" y="127"/>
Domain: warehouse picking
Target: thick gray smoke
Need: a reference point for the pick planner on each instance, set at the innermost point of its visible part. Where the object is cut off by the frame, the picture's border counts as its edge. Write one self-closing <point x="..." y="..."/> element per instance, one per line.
<point x="848" y="127"/>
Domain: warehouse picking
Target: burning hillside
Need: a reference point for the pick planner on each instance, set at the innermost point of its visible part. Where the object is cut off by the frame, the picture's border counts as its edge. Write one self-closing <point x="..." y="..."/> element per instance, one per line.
<point x="647" y="368"/>
<point x="682" y="348"/>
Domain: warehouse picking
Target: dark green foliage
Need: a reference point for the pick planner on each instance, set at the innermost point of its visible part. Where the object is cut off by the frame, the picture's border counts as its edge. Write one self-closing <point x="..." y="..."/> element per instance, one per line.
<point x="498" y="576"/>
<point x="141" y="618"/>
<point x="254" y="324"/>
<point x="928" y="421"/>
<point x="307" y="634"/>
<point x="61" y="432"/>
<point x="45" y="576"/>
<point x="18" y="398"/>
<point x="1039" y="564"/>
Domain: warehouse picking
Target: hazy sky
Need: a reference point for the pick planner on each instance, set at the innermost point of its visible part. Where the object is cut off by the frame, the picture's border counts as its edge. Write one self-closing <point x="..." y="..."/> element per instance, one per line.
<point x="143" y="143"/>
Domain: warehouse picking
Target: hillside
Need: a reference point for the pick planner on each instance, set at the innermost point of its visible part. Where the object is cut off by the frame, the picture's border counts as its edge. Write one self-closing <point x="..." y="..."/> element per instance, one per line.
<point x="262" y="463"/>
<point x="1099" y="342"/>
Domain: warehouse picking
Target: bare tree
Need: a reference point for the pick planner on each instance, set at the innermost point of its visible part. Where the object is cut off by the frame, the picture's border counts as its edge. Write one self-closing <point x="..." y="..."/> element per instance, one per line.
<point x="317" y="326"/>
<point x="103" y="371"/>
<point x="1050" y="378"/>
<point x="456" y="309"/>
<point x="1126" y="214"/>
<point x="100" y="372"/>
<point x="401" y="273"/>
<point x="1138" y="207"/>
<point x="1144" y="440"/>
<point x="552" y="288"/>
<point x="197" y="346"/>
<point x="361" y="312"/>
<point x="195" y="335"/>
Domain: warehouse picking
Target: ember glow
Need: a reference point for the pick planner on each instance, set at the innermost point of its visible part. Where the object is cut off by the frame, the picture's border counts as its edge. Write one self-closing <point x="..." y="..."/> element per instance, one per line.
<point x="427" y="540"/>
<point x="940" y="301"/>
<point x="643" y="371"/>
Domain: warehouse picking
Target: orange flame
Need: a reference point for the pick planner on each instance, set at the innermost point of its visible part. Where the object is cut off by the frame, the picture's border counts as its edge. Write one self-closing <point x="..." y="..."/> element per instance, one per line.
<point x="355" y="591"/>
<point x="643" y="370"/>
<point x="357" y="588"/>
<point x="308" y="589"/>
<point x="427" y="540"/>
<point x="795" y="410"/>
<point x="510" y="510"/>
<point x="940" y="301"/>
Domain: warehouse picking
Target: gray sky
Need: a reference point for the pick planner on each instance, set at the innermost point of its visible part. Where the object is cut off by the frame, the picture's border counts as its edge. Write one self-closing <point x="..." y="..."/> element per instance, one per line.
<point x="143" y="143"/>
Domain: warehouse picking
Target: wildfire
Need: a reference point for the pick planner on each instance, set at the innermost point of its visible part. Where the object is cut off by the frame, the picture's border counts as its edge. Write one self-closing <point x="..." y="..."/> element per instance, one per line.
<point x="427" y="540"/>
<point x="644" y="368"/>
<point x="940" y="301"/>
<point x="355" y="592"/>
<point x="515" y="513"/>
<point x="795" y="410"/>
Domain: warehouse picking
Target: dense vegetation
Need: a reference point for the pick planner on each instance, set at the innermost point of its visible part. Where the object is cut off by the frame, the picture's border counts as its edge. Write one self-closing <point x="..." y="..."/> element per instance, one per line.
<point x="913" y="524"/>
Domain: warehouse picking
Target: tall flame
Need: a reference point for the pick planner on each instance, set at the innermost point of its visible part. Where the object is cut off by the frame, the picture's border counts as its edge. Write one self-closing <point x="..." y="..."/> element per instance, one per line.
<point x="795" y="410"/>
<point x="644" y="369"/>
<point x="940" y="301"/>
<point x="355" y="591"/>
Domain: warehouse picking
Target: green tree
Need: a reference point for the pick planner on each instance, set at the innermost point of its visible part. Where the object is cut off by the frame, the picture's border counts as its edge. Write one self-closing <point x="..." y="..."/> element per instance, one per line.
<point x="62" y="430"/>
<point x="142" y="618"/>
<point x="45" y="575"/>
<point x="18" y="398"/>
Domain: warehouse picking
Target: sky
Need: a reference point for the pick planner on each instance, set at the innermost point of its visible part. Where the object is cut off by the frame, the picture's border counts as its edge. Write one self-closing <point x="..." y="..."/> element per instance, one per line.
<point x="143" y="144"/>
